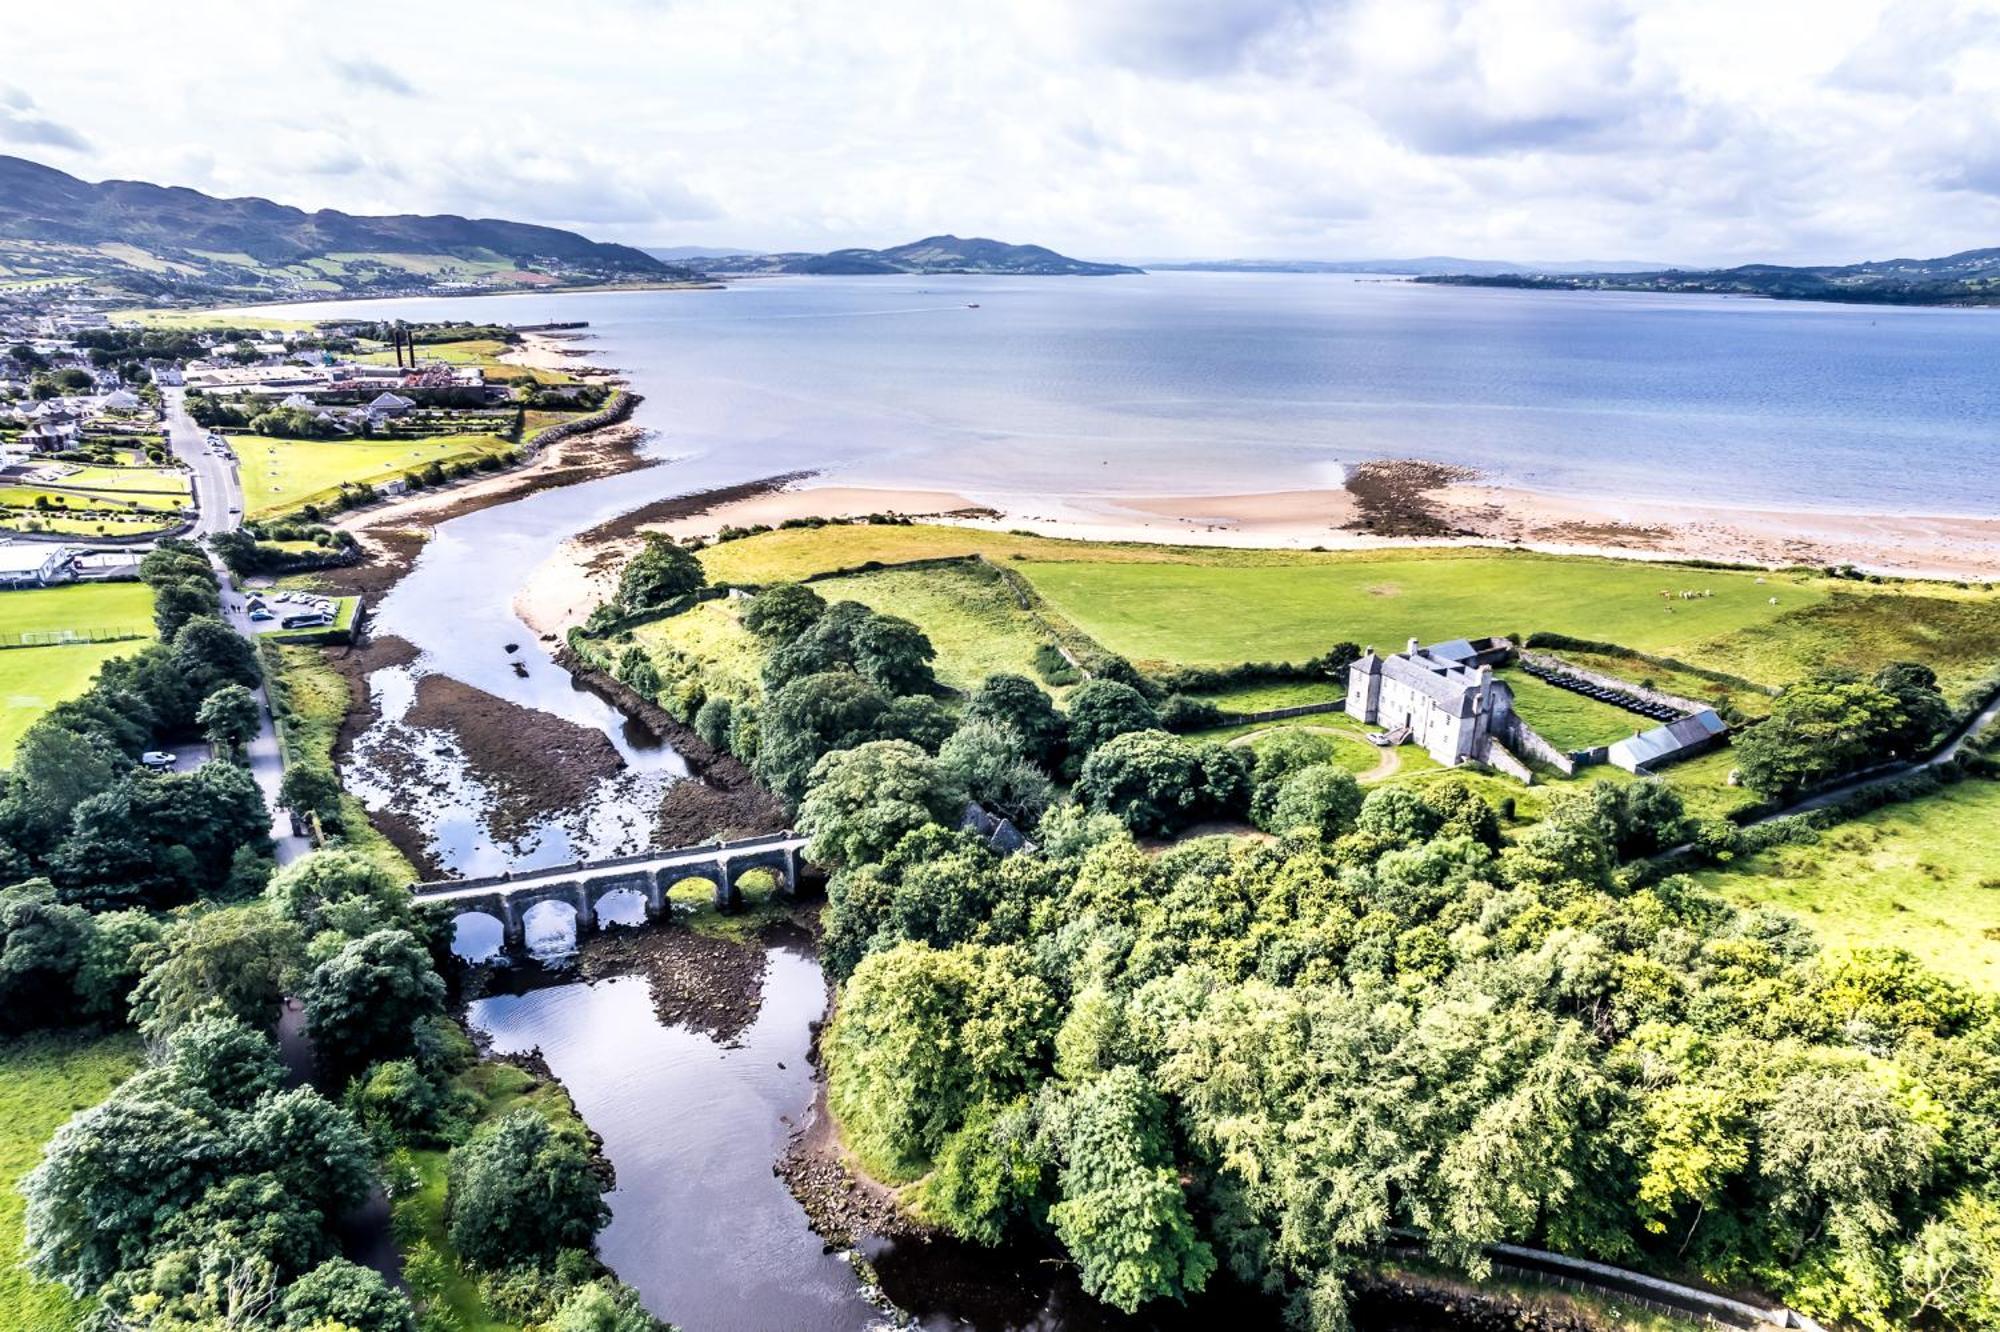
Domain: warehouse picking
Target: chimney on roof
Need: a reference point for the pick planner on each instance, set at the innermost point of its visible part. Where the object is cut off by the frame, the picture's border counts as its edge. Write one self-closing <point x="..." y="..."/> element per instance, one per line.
<point x="1412" y="649"/>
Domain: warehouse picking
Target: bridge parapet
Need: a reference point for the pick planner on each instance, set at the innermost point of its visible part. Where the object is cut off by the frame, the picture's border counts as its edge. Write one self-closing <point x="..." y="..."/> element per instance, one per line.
<point x="584" y="885"/>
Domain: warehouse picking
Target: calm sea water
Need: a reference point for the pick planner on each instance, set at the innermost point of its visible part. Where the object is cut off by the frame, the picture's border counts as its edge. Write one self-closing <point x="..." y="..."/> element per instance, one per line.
<point x="1188" y="383"/>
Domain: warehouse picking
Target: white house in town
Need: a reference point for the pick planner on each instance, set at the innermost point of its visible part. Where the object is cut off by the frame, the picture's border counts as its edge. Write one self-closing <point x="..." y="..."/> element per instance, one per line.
<point x="1443" y="697"/>
<point x="32" y="564"/>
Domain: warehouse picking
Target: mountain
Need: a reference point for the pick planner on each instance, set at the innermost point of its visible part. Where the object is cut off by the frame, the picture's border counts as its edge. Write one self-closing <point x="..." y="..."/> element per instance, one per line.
<point x="1970" y="277"/>
<point x="933" y="254"/>
<point x="163" y="242"/>
<point x="1428" y="266"/>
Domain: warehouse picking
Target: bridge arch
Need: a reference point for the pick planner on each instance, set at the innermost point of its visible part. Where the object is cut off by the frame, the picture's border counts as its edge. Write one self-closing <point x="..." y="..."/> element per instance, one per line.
<point x="478" y="935"/>
<point x="620" y="907"/>
<point x="551" y="927"/>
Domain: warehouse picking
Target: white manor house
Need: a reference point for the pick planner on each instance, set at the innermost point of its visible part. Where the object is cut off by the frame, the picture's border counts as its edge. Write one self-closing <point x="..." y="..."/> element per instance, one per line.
<point x="1443" y="697"/>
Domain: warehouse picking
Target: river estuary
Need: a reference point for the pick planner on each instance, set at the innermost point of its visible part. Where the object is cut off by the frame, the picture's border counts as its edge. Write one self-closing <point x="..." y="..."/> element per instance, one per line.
<point x="701" y="1225"/>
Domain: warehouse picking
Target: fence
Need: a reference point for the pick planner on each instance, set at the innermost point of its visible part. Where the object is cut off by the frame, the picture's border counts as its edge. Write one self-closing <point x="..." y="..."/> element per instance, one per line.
<point x="29" y="638"/>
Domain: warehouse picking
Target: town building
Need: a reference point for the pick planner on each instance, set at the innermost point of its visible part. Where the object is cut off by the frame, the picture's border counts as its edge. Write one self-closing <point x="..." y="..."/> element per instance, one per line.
<point x="32" y="564"/>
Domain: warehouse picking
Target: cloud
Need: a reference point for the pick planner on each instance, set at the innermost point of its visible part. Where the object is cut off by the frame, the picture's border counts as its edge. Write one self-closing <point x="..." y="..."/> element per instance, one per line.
<point x="361" y="72"/>
<point x="1194" y="38"/>
<point x="20" y="123"/>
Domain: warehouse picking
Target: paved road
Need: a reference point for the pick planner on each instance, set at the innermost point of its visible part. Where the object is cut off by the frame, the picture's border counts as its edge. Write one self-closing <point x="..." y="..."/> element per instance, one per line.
<point x="219" y="498"/>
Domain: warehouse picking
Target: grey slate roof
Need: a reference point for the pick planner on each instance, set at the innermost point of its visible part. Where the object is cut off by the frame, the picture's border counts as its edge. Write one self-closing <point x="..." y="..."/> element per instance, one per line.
<point x="1663" y="742"/>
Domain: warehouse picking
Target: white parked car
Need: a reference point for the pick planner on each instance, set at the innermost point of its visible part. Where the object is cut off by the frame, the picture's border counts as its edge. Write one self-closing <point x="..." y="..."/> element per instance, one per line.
<point x="159" y="760"/>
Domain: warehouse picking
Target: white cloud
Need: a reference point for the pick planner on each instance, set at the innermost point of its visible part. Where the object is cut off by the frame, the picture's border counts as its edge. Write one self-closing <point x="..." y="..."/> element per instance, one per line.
<point x="1689" y="130"/>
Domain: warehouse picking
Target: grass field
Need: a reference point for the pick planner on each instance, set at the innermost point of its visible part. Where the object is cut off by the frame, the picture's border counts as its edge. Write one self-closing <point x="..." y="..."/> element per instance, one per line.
<point x="1924" y="876"/>
<point x="64" y="497"/>
<point x="1335" y="744"/>
<point x="119" y="524"/>
<point x="1567" y="720"/>
<point x="33" y="680"/>
<point x="280" y="475"/>
<point x="153" y="480"/>
<point x="712" y="635"/>
<point x="1217" y="605"/>
<point x="1291" y="611"/>
<point x="1686" y="684"/>
<point x="43" y="1081"/>
<point x="105" y="607"/>
<point x="1279" y="694"/>
<point x="972" y="619"/>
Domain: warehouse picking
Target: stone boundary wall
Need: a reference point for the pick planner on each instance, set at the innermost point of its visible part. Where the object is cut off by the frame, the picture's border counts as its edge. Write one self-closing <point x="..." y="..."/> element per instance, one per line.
<point x="1531" y="742"/>
<point x="618" y="409"/>
<point x="1603" y="681"/>
<point x="1279" y="714"/>
<point x="1497" y="756"/>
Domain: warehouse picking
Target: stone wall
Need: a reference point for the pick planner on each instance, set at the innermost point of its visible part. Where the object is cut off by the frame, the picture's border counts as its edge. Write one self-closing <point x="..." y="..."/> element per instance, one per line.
<point x="1603" y="681"/>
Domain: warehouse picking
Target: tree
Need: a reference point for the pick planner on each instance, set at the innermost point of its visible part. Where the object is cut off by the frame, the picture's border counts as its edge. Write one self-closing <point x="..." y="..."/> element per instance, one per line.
<point x="160" y="840"/>
<point x="230" y="717"/>
<point x="518" y="1191"/>
<point x="311" y="790"/>
<point x="1123" y="1214"/>
<point x="43" y="946"/>
<point x="309" y="1143"/>
<point x="604" y="1306"/>
<point x="364" y="1003"/>
<point x="986" y="759"/>
<point x="863" y="801"/>
<point x="1818" y="730"/>
<point x="111" y="962"/>
<point x="1023" y="707"/>
<point x="661" y="571"/>
<point x="1101" y="709"/>
<point x="1926" y="714"/>
<point x="811" y="716"/>
<point x="338" y="1292"/>
<point x="210" y="654"/>
<point x="234" y="960"/>
<point x="108" y="1178"/>
<point x="923" y="1035"/>
<point x="1152" y="782"/>
<point x="176" y="603"/>
<point x="224" y="1060"/>
<point x="316" y="890"/>
<point x="1323" y="797"/>
<point x="55" y="769"/>
<point x="895" y="655"/>
<point x="783" y="611"/>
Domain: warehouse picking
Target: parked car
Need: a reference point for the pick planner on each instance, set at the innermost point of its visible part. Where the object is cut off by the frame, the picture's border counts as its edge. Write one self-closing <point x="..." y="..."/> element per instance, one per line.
<point x="310" y="620"/>
<point x="260" y="615"/>
<point x="159" y="760"/>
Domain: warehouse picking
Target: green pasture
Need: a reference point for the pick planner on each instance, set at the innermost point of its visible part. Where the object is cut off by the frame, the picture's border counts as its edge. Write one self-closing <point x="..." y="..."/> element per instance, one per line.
<point x="967" y="611"/>
<point x="1923" y="876"/>
<point x="280" y="475"/>
<point x="1566" y="720"/>
<point x="713" y="635"/>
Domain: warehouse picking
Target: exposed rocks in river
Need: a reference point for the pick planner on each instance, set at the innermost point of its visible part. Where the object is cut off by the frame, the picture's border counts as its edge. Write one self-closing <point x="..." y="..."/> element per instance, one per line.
<point x="1393" y="495"/>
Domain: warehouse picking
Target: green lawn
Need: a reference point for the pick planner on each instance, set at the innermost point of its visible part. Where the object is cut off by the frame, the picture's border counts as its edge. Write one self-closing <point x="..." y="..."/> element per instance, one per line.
<point x="1335" y="744"/>
<point x="43" y="1081"/>
<point x="1567" y="720"/>
<point x="1216" y="605"/>
<point x="59" y="497"/>
<point x="117" y="524"/>
<point x="280" y="475"/>
<point x="972" y="619"/>
<point x="102" y="607"/>
<point x="1924" y="876"/>
<point x="154" y="480"/>
<point x="1279" y="694"/>
<point x="1686" y="684"/>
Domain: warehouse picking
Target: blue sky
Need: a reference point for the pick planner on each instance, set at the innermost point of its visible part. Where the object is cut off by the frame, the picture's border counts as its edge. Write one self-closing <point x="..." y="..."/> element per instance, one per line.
<point x="1696" y="131"/>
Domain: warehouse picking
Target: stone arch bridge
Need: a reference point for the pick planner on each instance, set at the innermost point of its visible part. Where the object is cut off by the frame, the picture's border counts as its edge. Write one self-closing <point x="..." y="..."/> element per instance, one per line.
<point x="584" y="885"/>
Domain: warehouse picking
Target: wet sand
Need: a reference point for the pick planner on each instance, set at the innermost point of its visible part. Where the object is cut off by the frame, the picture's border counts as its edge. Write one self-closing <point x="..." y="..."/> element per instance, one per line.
<point x="1404" y="503"/>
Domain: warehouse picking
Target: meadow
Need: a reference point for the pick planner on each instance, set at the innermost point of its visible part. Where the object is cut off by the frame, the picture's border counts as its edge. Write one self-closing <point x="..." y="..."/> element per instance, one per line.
<point x="971" y="617"/>
<point x="280" y="475"/>
<point x="310" y="700"/>
<point x="43" y="1081"/>
<point x="1924" y="876"/>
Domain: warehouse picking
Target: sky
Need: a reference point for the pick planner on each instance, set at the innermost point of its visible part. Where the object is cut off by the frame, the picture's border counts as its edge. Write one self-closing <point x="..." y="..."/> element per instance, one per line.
<point x="1688" y="131"/>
